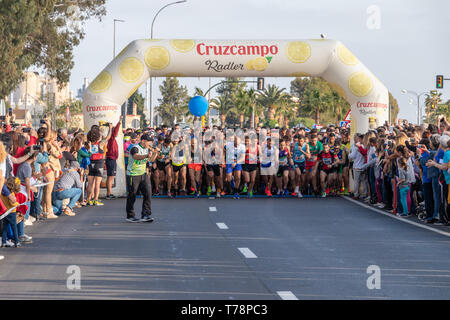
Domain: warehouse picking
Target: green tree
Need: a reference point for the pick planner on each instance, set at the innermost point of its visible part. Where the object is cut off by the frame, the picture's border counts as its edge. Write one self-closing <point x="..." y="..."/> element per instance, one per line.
<point x="174" y="102"/>
<point x="245" y="101"/>
<point x="42" y="34"/>
<point x="434" y="98"/>
<point x="270" y="98"/>
<point x="317" y="99"/>
<point x="394" y="108"/>
<point x="223" y="106"/>
<point x="138" y="99"/>
<point x="286" y="110"/>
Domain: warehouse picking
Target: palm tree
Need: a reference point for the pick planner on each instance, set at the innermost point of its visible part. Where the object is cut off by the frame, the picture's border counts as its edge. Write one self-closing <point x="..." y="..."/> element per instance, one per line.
<point x="223" y="106"/>
<point x="270" y="98"/>
<point x="286" y="110"/>
<point x="316" y="102"/>
<point x="244" y="104"/>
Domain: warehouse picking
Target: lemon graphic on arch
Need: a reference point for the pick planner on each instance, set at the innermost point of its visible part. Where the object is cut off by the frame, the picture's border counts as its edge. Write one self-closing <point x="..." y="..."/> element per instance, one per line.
<point x="249" y="65"/>
<point x="101" y="83"/>
<point x="346" y="56"/>
<point x="131" y="69"/>
<point x="260" y="64"/>
<point x="298" y="51"/>
<point x="360" y="84"/>
<point x="182" y="45"/>
<point x="157" y="58"/>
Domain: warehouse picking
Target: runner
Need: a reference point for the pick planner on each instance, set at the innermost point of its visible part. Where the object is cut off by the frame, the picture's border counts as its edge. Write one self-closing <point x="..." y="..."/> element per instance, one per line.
<point x="300" y="152"/>
<point x="235" y="158"/>
<point x="267" y="162"/>
<point x="178" y="156"/>
<point x="164" y="168"/>
<point x="195" y="168"/>
<point x="315" y="147"/>
<point x="282" y="177"/>
<point x="327" y="163"/>
<point x="250" y="166"/>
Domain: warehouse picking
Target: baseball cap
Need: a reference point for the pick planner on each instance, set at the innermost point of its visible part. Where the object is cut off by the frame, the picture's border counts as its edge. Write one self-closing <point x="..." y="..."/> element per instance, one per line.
<point x="133" y="135"/>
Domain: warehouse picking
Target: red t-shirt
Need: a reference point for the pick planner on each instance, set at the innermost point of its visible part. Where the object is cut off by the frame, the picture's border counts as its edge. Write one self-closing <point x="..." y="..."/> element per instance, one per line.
<point x="21" y="152"/>
<point x="327" y="159"/>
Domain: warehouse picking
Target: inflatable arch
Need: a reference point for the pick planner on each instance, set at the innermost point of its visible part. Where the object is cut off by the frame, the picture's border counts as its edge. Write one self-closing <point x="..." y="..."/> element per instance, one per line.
<point x="328" y="59"/>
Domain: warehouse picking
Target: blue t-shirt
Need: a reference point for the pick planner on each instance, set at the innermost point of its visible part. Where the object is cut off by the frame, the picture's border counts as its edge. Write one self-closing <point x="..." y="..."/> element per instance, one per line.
<point x="439" y="156"/>
<point x="425" y="156"/>
<point x="446" y="159"/>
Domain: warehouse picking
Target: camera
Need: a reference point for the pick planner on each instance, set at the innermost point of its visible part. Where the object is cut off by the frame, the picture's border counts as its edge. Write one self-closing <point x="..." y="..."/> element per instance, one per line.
<point x="10" y="112"/>
<point x="412" y="140"/>
<point x="42" y="121"/>
<point x="2" y="118"/>
<point x="37" y="147"/>
<point x="26" y="130"/>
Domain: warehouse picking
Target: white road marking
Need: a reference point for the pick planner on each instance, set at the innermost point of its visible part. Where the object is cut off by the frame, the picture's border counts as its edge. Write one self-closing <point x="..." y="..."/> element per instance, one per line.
<point x="398" y="218"/>
<point x="222" y="225"/>
<point x="212" y="209"/>
<point x="247" y="253"/>
<point x="2" y="257"/>
<point x="287" y="295"/>
<point x="211" y="198"/>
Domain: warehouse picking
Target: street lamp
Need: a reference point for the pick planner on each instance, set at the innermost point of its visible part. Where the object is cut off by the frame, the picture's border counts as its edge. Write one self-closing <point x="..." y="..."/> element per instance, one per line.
<point x="404" y="91"/>
<point x="123" y="111"/>
<point x="114" y="40"/>
<point x="149" y="83"/>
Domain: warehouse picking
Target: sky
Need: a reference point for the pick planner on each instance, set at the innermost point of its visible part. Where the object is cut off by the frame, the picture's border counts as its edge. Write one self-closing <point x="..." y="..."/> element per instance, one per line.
<point x="408" y="47"/>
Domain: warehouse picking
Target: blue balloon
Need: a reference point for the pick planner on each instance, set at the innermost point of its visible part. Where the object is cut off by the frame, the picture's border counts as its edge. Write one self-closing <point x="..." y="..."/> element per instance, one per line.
<point x="198" y="106"/>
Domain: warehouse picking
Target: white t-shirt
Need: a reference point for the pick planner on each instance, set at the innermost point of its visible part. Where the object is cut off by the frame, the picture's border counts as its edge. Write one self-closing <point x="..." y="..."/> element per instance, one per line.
<point x="235" y="154"/>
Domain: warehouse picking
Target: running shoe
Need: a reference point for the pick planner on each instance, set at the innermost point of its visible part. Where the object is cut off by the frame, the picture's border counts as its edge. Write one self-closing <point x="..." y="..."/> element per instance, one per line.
<point x="299" y="195"/>
<point x="197" y="194"/>
<point x="208" y="192"/>
<point x="98" y="203"/>
<point x="223" y="193"/>
<point x="25" y="238"/>
<point x="170" y="195"/>
<point x="268" y="193"/>
<point x="244" y="190"/>
<point x="147" y="218"/>
<point x="90" y="203"/>
<point x="286" y="192"/>
<point x="133" y="219"/>
<point x="236" y="195"/>
<point x="250" y="194"/>
<point x="324" y="195"/>
<point x="218" y="194"/>
<point x="192" y="192"/>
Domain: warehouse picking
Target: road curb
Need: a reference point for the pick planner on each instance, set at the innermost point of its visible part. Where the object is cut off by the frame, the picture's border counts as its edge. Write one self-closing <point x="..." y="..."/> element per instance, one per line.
<point x="447" y="234"/>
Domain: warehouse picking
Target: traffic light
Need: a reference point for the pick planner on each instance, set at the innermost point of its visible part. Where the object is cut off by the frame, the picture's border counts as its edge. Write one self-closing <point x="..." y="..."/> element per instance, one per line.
<point x="260" y="83"/>
<point x="439" y="82"/>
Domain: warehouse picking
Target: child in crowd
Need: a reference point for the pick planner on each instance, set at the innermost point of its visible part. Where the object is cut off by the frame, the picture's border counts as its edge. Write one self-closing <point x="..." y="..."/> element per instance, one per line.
<point x="11" y="220"/>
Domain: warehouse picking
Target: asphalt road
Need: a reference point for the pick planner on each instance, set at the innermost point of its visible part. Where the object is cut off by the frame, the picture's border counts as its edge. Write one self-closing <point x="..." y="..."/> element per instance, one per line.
<point x="306" y="248"/>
